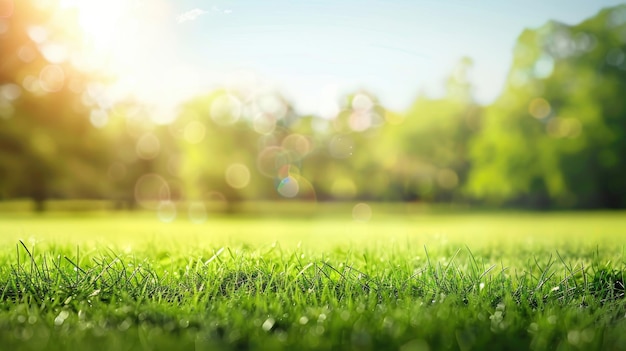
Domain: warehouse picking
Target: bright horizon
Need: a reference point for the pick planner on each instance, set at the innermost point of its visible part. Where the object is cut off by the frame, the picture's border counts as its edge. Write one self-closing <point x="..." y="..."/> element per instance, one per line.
<point x="312" y="52"/>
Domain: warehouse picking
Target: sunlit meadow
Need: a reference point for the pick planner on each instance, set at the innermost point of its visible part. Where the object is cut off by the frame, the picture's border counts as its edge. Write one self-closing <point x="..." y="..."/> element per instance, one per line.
<point x="312" y="175"/>
<point x="408" y="279"/>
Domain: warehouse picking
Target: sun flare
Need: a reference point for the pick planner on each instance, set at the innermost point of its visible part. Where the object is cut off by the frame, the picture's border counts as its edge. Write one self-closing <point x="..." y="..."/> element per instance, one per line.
<point x="128" y="40"/>
<point x="101" y="21"/>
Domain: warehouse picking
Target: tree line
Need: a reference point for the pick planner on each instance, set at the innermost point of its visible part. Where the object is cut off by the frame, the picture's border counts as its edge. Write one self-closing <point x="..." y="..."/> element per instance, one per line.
<point x="554" y="138"/>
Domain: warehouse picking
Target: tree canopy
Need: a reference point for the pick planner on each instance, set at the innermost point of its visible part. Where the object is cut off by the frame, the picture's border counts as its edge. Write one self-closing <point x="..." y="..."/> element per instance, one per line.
<point x="555" y="137"/>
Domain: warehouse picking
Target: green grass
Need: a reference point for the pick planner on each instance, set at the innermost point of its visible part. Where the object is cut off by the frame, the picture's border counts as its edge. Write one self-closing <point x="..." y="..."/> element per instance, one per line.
<point x="406" y="280"/>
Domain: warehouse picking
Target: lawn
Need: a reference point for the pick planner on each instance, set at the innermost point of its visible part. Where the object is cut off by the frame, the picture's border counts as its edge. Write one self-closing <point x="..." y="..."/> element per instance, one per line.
<point x="408" y="279"/>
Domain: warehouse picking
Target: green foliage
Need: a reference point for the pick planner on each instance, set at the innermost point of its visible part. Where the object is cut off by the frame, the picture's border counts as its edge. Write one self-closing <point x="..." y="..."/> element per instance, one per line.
<point x="47" y="145"/>
<point x="553" y="137"/>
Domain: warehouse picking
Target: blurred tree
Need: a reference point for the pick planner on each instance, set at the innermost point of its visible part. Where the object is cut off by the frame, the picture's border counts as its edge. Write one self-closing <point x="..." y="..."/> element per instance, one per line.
<point x="218" y="148"/>
<point x="556" y="134"/>
<point x="426" y="149"/>
<point x="48" y="145"/>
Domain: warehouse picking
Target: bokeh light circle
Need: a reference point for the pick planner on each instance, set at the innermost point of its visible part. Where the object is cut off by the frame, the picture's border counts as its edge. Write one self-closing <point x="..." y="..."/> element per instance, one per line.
<point x="264" y="123"/>
<point x="362" y="212"/>
<point x="197" y="212"/>
<point x="166" y="211"/>
<point x="226" y="110"/>
<point x="297" y="144"/>
<point x="362" y="102"/>
<point x="148" y="146"/>
<point x="237" y="176"/>
<point x="288" y="187"/>
<point x="99" y="118"/>
<point x="267" y="161"/>
<point x="150" y="190"/>
<point x="52" y="78"/>
<point x="194" y="132"/>
<point x="539" y="108"/>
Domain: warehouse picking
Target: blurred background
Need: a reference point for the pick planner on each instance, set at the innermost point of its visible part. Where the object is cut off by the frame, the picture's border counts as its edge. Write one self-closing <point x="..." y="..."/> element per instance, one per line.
<point x="176" y="108"/>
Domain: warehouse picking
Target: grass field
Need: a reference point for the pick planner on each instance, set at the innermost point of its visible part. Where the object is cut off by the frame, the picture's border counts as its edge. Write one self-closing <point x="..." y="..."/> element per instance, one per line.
<point x="408" y="279"/>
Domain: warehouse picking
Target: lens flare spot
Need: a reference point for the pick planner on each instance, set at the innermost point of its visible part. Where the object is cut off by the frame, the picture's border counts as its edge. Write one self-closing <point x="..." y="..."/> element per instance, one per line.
<point x="238" y="176"/>
<point x="362" y="102"/>
<point x="150" y="190"/>
<point x="264" y="123"/>
<point x="539" y="108"/>
<point x="297" y="144"/>
<point x="38" y="34"/>
<point x="52" y="78"/>
<point x="563" y="128"/>
<point x="54" y="53"/>
<point x="360" y="120"/>
<point x="226" y="110"/>
<point x="194" y="132"/>
<point x="197" y="212"/>
<point x="32" y="84"/>
<point x="166" y="211"/>
<point x="99" y="118"/>
<point x="544" y="67"/>
<point x="10" y="91"/>
<point x="272" y="105"/>
<point x="268" y="161"/>
<point x="288" y="187"/>
<point x="361" y="212"/>
<point x="288" y="170"/>
<point x="148" y="146"/>
<point x="27" y="54"/>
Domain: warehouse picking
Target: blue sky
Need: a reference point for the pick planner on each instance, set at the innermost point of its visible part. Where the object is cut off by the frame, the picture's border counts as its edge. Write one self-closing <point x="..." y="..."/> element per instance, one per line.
<point x="313" y="51"/>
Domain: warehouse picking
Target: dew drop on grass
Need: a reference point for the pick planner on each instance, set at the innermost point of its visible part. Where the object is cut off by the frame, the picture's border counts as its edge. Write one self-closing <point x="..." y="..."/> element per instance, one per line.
<point x="61" y="317"/>
<point x="303" y="320"/>
<point x="573" y="337"/>
<point x="124" y="325"/>
<point x="268" y="324"/>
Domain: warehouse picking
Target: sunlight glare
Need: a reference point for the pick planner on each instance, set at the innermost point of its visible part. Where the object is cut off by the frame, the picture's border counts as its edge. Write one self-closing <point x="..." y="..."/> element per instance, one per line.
<point x="120" y="39"/>
<point x="99" y="20"/>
